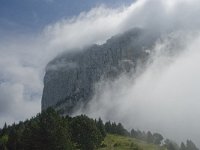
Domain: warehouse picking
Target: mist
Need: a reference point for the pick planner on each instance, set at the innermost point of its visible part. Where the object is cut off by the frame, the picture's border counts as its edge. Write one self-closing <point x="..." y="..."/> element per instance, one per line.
<point x="162" y="98"/>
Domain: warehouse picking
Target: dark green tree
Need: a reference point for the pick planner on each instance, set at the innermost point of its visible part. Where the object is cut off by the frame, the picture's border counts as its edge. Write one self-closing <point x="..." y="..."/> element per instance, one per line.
<point x="101" y="127"/>
<point x="133" y="133"/>
<point x="113" y="128"/>
<point x="183" y="147"/>
<point x="120" y="130"/>
<point x="108" y="127"/>
<point x="170" y="145"/>
<point x="139" y="134"/>
<point x="47" y="131"/>
<point x="157" y="138"/>
<point x="190" y="145"/>
<point x="149" y="137"/>
<point x="85" y="133"/>
<point x="14" y="142"/>
<point x="4" y="130"/>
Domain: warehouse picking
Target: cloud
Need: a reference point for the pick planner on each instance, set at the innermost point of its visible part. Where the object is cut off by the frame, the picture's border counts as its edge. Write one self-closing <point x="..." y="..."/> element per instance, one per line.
<point x="164" y="98"/>
<point x="25" y="56"/>
<point x="100" y="23"/>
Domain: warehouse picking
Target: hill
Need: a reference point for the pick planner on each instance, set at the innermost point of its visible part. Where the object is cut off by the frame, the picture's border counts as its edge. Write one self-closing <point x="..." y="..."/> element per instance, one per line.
<point x="50" y="131"/>
<point x="117" y="142"/>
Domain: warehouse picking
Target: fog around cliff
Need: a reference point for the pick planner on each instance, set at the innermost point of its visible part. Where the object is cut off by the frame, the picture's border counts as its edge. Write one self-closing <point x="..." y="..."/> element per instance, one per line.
<point x="25" y="56"/>
<point x="163" y="98"/>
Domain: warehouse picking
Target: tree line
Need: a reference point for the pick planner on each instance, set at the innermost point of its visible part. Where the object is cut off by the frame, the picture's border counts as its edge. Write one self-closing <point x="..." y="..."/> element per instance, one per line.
<point x="49" y="130"/>
<point x="158" y="139"/>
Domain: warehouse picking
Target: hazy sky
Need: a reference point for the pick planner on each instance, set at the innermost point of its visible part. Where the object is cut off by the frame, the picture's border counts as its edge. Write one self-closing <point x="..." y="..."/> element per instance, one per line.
<point x="33" y="15"/>
<point x="32" y="32"/>
<point x="164" y="98"/>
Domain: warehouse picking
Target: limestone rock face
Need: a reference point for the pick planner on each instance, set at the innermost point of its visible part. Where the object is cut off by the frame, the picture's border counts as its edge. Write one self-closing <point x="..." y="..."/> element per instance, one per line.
<point x="69" y="80"/>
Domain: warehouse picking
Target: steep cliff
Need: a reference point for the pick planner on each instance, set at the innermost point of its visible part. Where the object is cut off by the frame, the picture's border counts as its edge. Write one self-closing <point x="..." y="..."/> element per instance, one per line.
<point x="70" y="78"/>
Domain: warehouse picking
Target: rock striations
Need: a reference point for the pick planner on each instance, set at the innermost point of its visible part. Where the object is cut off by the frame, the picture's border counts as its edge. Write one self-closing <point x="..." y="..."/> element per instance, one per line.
<point x="69" y="80"/>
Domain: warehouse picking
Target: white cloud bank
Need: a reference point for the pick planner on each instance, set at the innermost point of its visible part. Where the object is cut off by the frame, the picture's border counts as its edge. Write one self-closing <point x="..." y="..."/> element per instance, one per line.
<point x="164" y="98"/>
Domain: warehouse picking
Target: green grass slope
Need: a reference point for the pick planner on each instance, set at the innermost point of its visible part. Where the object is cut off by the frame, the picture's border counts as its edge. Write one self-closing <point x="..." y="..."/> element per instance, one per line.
<point x="116" y="142"/>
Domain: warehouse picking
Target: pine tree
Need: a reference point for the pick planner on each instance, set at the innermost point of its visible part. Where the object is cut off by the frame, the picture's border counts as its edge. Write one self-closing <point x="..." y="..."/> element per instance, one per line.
<point x="183" y="147"/>
<point x="108" y="127"/>
<point x="190" y="145"/>
<point x="149" y="137"/>
<point x="101" y="127"/>
<point x="4" y="130"/>
<point x="157" y="138"/>
<point x="85" y="133"/>
<point x="47" y="131"/>
<point x="133" y="133"/>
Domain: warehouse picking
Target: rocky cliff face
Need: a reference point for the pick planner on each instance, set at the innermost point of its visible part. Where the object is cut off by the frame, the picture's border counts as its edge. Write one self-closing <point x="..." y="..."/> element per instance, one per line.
<point x="69" y="80"/>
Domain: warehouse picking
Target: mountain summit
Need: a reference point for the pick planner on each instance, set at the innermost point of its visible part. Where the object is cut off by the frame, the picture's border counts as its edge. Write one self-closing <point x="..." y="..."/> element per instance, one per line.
<point x="70" y="78"/>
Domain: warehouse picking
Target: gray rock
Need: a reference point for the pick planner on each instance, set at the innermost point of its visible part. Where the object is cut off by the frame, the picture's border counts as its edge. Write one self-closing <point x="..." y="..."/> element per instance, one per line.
<point x="69" y="80"/>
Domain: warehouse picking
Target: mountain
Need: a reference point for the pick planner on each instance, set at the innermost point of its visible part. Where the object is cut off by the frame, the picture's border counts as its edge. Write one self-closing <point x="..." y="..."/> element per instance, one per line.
<point x="70" y="78"/>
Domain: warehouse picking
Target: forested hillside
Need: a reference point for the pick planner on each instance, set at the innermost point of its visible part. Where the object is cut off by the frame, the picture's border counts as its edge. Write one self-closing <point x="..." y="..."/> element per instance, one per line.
<point x="49" y="131"/>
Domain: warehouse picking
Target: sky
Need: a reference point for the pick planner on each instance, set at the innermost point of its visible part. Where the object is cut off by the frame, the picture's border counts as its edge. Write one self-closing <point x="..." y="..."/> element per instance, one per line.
<point x="32" y="32"/>
<point x="164" y="98"/>
<point x="33" y="15"/>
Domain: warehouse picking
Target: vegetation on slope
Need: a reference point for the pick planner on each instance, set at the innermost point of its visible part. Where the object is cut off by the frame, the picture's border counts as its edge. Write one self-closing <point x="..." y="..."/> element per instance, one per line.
<point x="50" y="131"/>
<point x="117" y="142"/>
